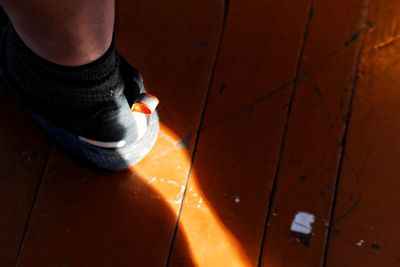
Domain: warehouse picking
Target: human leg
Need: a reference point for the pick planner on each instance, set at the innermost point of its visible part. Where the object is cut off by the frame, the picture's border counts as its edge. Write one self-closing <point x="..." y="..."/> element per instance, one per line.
<point x="71" y="33"/>
<point x="66" y="71"/>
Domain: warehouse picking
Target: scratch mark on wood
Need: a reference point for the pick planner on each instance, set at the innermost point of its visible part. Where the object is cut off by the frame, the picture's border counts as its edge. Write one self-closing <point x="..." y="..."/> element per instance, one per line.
<point x="319" y="93"/>
<point x="251" y="105"/>
<point x="222" y="89"/>
<point x="388" y="42"/>
<point x="303" y="75"/>
<point x="348" y="212"/>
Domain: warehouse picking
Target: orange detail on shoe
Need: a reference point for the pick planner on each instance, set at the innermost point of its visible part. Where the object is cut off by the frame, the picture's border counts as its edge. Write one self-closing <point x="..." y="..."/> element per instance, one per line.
<point x="140" y="107"/>
<point x="145" y="103"/>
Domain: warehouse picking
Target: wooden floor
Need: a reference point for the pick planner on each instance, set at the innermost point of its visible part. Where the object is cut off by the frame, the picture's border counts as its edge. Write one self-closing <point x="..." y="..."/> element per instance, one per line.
<point x="279" y="145"/>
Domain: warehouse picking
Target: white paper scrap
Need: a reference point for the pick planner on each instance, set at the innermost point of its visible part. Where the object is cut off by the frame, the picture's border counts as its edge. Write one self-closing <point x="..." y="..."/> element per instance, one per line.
<point x="302" y="223"/>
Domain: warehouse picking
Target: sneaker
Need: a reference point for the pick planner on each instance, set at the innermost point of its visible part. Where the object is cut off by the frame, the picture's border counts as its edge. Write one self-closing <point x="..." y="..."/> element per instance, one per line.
<point x="113" y="134"/>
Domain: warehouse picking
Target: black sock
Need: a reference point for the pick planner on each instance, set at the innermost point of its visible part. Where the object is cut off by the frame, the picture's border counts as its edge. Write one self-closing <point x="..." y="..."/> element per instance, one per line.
<point x="44" y="86"/>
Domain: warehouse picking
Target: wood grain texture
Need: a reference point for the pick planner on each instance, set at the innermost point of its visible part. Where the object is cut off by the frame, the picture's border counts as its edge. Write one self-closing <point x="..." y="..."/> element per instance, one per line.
<point x="312" y="148"/>
<point x="274" y="127"/>
<point x="23" y="154"/>
<point x="87" y="217"/>
<point x="224" y="210"/>
<point x="365" y="226"/>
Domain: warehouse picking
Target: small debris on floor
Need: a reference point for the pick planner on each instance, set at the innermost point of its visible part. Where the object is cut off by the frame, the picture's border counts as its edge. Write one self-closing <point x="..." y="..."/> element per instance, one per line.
<point x="302" y="223"/>
<point x="360" y="243"/>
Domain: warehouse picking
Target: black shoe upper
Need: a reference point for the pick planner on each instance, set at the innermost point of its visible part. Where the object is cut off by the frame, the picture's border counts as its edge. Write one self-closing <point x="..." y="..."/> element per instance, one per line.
<point x="92" y="100"/>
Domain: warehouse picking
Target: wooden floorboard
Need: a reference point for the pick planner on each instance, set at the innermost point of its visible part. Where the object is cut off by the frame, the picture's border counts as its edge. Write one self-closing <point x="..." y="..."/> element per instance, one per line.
<point x="85" y="217"/>
<point x="23" y="154"/>
<point x="225" y="206"/>
<point x="365" y="226"/>
<point x="259" y="94"/>
<point x="312" y="147"/>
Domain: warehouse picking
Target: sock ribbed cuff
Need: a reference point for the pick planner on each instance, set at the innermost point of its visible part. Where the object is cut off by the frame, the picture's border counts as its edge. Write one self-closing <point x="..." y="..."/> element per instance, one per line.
<point x="45" y="83"/>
